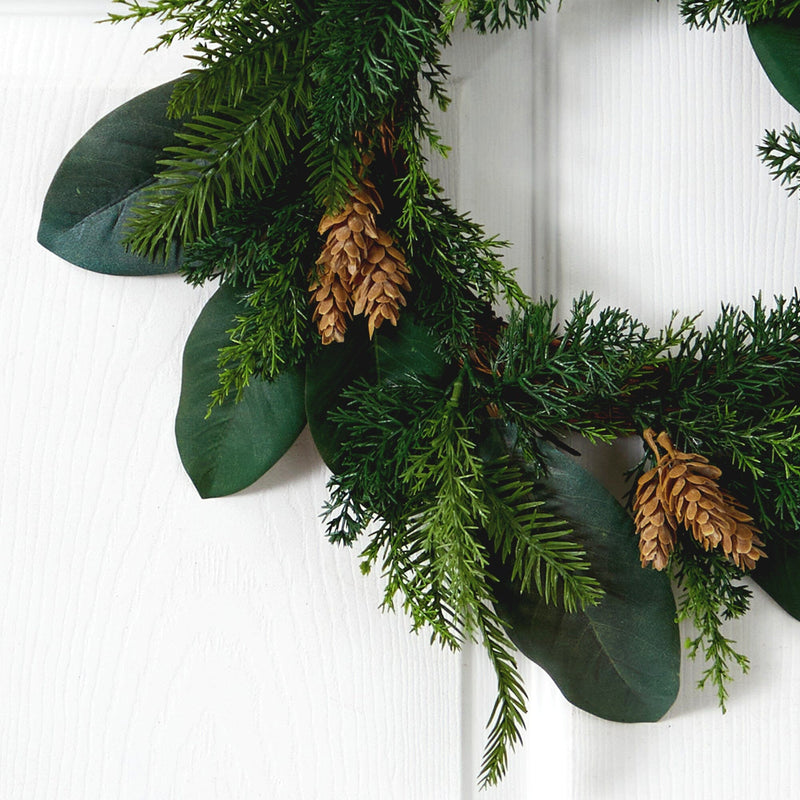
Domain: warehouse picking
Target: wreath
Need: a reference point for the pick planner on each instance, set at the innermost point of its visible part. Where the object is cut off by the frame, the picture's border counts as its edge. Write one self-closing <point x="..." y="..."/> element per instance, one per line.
<point x="289" y="164"/>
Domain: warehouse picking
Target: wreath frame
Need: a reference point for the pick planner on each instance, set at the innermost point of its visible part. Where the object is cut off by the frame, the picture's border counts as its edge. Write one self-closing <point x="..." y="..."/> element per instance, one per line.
<point x="445" y="433"/>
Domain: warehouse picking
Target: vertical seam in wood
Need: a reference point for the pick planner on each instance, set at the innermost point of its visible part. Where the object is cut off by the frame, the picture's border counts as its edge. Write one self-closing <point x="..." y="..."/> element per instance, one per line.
<point x="467" y="680"/>
<point x="546" y="278"/>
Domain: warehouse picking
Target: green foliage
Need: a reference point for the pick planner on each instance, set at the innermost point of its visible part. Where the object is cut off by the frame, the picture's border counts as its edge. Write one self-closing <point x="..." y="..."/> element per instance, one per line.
<point x="733" y="390"/>
<point x="87" y="209"/>
<point x="459" y="273"/>
<point x="394" y="355"/>
<point x="269" y="336"/>
<point x="369" y="54"/>
<point x="618" y="659"/>
<point x="435" y="430"/>
<point x="246" y="102"/>
<point x="370" y="57"/>
<point x="781" y="153"/>
<point x="265" y="248"/>
<point x="241" y="441"/>
<point x="710" y="598"/>
<point x="778" y="574"/>
<point x="430" y="547"/>
<point x="776" y="43"/>
<point x="599" y="376"/>
<point x="713" y="13"/>
<point x="200" y="19"/>
<point x="495" y="15"/>
<point x="534" y="542"/>
<point x="238" y="61"/>
<point x="225" y="155"/>
<point x="410" y="463"/>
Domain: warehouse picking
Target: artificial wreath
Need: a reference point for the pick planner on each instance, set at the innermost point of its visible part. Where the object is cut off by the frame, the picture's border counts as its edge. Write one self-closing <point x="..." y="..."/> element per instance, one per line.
<point x="289" y="165"/>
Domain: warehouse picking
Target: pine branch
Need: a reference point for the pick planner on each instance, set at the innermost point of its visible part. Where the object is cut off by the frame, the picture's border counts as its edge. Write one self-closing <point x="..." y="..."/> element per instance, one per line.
<point x="369" y="57"/>
<point x="494" y="15"/>
<point x="721" y="13"/>
<point x="781" y="153"/>
<point x="238" y="63"/>
<point x="223" y="157"/>
<point x="537" y="543"/>
<point x="460" y="273"/>
<point x="506" y="722"/>
<point x="406" y="565"/>
<point x="596" y="375"/>
<point x="711" y="598"/>
<point x="443" y="477"/>
<point x="198" y="19"/>
<point x="267" y="339"/>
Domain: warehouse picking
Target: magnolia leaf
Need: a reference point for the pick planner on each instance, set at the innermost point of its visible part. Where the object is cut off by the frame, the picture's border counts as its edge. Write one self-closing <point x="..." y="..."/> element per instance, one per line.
<point x="239" y="441"/>
<point x="777" y="574"/>
<point x="620" y="659"/>
<point x="777" y="45"/>
<point x="90" y="200"/>
<point x="393" y="353"/>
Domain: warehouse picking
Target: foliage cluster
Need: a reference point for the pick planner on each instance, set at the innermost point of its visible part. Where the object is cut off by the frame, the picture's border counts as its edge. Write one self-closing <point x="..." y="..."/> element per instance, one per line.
<point x="713" y="13"/>
<point x="440" y="433"/>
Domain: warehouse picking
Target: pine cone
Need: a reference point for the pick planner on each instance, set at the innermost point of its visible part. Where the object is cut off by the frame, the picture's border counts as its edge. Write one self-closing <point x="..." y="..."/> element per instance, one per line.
<point x="361" y="272"/>
<point x="682" y="489"/>
<point x="383" y="277"/>
<point x="690" y="491"/>
<point x="657" y="527"/>
<point x="742" y="545"/>
<point x="332" y="296"/>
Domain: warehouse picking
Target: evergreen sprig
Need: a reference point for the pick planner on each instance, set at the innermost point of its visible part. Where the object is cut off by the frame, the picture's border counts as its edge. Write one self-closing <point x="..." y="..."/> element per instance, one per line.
<point x="599" y="375"/>
<point x="460" y="274"/>
<point x="237" y="62"/>
<point x="711" y="598"/>
<point x="495" y="15"/>
<point x="536" y="543"/>
<point x="781" y="153"/>
<point x="370" y="59"/>
<point x="200" y="19"/>
<point x="713" y="13"/>
<point x="410" y="463"/>
<point x="223" y="156"/>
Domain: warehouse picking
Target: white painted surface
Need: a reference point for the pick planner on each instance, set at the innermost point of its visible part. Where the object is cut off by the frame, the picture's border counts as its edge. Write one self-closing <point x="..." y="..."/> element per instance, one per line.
<point x="153" y="645"/>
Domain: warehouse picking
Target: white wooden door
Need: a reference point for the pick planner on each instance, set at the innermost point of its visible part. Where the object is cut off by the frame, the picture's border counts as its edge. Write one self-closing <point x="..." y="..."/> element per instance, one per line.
<point x="153" y="645"/>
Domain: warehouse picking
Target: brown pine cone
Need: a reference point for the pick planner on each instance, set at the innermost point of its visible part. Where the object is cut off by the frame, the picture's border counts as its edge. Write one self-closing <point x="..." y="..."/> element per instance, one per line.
<point x="332" y="296"/>
<point x="742" y="543"/>
<point x="379" y="295"/>
<point x="360" y="269"/>
<point x="657" y="527"/>
<point x="682" y="488"/>
<point x="690" y="491"/>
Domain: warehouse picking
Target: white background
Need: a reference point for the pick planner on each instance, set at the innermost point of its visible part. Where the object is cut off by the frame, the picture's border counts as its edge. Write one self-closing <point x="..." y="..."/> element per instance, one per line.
<point x="153" y="645"/>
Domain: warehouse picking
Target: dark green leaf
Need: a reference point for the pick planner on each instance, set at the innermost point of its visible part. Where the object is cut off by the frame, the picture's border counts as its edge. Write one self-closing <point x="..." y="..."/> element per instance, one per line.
<point x="88" y="205"/>
<point x="394" y="353"/>
<point x="620" y="659"/>
<point x="240" y="441"/>
<point x="777" y="574"/>
<point x="777" y="45"/>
